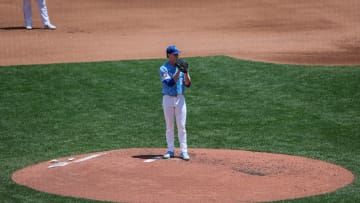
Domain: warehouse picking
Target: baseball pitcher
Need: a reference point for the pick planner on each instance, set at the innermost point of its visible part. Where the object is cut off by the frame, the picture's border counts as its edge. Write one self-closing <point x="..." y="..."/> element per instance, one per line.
<point x="175" y="77"/>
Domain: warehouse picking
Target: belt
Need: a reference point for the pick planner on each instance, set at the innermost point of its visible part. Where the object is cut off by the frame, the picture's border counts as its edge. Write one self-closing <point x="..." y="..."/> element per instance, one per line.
<point x="173" y="95"/>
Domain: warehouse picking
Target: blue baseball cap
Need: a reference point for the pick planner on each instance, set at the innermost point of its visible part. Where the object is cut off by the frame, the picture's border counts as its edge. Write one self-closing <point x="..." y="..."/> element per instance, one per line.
<point x="172" y="50"/>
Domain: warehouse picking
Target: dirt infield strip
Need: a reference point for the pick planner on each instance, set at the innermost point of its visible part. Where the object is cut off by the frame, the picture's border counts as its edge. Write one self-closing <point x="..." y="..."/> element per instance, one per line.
<point x="281" y="31"/>
<point x="139" y="175"/>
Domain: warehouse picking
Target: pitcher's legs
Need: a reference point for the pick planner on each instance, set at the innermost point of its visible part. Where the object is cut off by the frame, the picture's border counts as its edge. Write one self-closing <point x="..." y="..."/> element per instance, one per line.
<point x="27" y="12"/>
<point x="43" y="12"/>
<point x="169" y="113"/>
<point x="180" y="113"/>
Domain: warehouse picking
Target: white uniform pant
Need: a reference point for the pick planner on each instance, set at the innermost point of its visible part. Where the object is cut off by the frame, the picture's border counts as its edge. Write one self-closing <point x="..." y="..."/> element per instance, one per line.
<point x="175" y="106"/>
<point x="42" y="8"/>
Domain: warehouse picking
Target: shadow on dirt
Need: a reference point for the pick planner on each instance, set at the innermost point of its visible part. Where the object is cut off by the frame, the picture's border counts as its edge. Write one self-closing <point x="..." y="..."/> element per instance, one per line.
<point x="151" y="156"/>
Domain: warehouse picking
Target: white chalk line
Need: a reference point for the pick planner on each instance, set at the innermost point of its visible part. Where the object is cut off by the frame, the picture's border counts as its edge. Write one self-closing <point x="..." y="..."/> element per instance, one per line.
<point x="65" y="163"/>
<point x="152" y="159"/>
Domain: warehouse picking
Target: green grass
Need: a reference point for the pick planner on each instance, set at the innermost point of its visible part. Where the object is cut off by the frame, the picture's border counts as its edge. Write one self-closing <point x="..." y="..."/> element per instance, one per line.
<point x="49" y="111"/>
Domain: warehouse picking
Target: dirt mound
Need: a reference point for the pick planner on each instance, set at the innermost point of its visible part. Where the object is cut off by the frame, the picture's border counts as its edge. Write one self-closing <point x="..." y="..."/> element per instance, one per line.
<point x="140" y="175"/>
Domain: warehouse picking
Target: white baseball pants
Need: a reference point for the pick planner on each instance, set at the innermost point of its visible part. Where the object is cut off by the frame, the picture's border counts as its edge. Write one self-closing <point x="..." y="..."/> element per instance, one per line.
<point x="175" y="106"/>
<point x="42" y="8"/>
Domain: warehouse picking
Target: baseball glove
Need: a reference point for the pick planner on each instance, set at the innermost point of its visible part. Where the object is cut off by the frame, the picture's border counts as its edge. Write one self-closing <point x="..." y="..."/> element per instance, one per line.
<point x="182" y="65"/>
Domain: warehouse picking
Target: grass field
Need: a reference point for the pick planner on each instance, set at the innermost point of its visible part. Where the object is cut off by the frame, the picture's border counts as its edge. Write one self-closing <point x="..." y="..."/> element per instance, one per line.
<point x="50" y="111"/>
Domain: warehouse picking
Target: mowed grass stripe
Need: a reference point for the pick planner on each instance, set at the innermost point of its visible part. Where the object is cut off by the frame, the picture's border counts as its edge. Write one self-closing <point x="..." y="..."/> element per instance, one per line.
<point x="49" y="111"/>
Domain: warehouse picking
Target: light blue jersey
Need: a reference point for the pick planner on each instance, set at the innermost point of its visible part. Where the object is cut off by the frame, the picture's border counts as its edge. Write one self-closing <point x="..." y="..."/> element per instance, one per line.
<point x="167" y="72"/>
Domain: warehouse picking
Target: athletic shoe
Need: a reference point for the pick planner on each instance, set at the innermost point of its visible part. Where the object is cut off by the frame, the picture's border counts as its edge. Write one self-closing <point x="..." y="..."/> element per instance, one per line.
<point x="50" y="27"/>
<point x="28" y="27"/>
<point x="185" y="156"/>
<point x="168" y="155"/>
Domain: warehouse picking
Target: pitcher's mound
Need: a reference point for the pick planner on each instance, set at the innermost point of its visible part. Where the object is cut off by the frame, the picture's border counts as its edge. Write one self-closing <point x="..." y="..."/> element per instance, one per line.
<point x="140" y="175"/>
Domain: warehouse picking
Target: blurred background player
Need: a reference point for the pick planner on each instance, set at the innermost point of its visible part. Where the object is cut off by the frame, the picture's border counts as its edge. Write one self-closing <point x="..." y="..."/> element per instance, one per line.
<point x="173" y="83"/>
<point x="43" y="13"/>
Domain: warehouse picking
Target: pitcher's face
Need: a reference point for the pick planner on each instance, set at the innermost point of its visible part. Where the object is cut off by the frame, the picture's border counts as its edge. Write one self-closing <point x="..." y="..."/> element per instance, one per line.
<point x="173" y="58"/>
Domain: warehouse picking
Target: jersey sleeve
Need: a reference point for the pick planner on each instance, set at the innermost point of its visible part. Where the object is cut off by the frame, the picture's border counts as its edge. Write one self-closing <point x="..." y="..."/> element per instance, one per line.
<point x="164" y="75"/>
<point x="185" y="84"/>
<point x="166" y="78"/>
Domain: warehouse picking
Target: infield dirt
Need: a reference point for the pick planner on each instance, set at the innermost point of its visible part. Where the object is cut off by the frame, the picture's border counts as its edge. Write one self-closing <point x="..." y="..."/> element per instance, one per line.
<point x="280" y="31"/>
